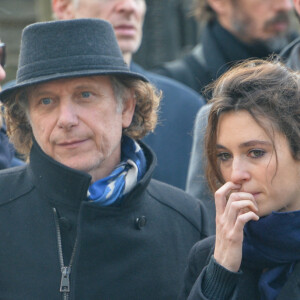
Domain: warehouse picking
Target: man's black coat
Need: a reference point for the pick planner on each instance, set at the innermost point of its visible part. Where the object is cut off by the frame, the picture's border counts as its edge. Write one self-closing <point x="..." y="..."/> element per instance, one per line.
<point x="135" y="251"/>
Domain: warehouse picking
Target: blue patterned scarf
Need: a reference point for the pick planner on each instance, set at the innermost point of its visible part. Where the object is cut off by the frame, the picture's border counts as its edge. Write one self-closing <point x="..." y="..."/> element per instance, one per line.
<point x="110" y="190"/>
<point x="272" y="243"/>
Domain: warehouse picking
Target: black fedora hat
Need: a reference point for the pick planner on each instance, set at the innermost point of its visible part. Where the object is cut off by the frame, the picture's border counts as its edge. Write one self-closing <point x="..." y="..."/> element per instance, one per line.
<point x="65" y="49"/>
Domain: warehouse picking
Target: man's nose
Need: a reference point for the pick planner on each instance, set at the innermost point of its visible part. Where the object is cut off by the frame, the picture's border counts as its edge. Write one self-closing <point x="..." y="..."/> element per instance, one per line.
<point x="127" y="5"/>
<point x="239" y="171"/>
<point x="68" y="116"/>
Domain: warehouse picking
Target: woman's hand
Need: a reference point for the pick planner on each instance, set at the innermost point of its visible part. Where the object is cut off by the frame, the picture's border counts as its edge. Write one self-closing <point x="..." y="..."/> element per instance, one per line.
<point x="233" y="210"/>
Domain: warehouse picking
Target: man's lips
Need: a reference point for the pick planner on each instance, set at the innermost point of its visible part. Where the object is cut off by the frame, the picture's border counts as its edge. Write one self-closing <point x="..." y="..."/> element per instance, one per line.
<point x="128" y="30"/>
<point x="280" y="26"/>
<point x="71" y="143"/>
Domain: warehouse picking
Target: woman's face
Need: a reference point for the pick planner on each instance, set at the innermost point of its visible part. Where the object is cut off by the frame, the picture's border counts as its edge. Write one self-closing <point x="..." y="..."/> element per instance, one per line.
<point x="246" y="156"/>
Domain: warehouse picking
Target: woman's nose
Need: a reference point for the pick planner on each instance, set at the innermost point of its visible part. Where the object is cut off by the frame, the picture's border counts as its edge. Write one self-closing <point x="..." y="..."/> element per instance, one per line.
<point x="239" y="172"/>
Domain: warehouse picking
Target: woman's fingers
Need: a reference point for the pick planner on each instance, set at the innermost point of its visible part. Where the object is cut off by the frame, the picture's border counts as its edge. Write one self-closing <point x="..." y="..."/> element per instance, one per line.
<point x="244" y="218"/>
<point x="233" y="210"/>
<point x="221" y="195"/>
<point x="239" y="203"/>
<point x="229" y="243"/>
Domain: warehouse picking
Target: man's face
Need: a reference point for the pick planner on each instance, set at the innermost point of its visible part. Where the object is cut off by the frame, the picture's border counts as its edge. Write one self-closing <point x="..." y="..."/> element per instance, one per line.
<point x="257" y="20"/>
<point x="126" y="17"/>
<point x="79" y="123"/>
<point x="2" y="72"/>
<point x="2" y="75"/>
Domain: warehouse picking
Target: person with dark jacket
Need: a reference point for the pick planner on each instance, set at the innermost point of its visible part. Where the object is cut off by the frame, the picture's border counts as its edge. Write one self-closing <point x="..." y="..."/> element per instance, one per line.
<point x="291" y="53"/>
<point x="7" y="151"/>
<point x="253" y="148"/>
<point x="169" y="31"/>
<point x="84" y="219"/>
<point x="171" y="140"/>
<point x="233" y="31"/>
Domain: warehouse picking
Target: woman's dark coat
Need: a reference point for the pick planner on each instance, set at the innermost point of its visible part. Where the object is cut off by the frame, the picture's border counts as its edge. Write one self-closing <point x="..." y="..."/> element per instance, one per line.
<point x="247" y="284"/>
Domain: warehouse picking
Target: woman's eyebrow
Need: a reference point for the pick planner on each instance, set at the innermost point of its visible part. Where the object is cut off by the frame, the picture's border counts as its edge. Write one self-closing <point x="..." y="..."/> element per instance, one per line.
<point x="219" y="146"/>
<point x="255" y="143"/>
<point x="248" y="144"/>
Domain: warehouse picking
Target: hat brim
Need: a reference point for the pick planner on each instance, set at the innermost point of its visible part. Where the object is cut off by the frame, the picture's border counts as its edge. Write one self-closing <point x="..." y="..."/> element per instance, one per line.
<point x="7" y="92"/>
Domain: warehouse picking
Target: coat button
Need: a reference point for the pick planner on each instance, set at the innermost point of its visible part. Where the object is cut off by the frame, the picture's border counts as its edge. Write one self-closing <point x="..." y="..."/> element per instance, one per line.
<point x="140" y="222"/>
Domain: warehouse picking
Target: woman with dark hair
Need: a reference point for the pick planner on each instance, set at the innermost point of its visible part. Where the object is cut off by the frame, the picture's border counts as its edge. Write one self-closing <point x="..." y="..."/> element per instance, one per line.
<point x="253" y="150"/>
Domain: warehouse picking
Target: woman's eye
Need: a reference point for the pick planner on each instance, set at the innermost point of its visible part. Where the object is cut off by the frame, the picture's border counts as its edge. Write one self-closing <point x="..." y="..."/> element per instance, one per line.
<point x="256" y="153"/>
<point x="85" y="94"/>
<point x="46" y="101"/>
<point x="224" y="156"/>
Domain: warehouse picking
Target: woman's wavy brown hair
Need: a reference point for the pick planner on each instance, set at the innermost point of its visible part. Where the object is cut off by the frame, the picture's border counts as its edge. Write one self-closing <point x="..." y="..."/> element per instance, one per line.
<point x="269" y="92"/>
<point x="144" y="118"/>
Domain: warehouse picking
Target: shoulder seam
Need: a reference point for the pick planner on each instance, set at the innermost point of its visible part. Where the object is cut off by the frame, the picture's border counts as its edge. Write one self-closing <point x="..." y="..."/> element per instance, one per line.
<point x="174" y="209"/>
<point x="16" y="197"/>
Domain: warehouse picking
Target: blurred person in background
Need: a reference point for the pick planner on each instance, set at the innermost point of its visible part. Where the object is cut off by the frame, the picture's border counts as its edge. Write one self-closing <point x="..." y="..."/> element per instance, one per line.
<point x="7" y="152"/>
<point x="291" y="54"/>
<point x="172" y="138"/>
<point x="233" y="30"/>
<point x="169" y="32"/>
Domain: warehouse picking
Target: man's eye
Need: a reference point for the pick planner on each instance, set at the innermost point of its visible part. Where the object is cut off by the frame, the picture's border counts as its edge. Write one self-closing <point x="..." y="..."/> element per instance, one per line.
<point x="46" y="101"/>
<point x="224" y="156"/>
<point x="85" y="94"/>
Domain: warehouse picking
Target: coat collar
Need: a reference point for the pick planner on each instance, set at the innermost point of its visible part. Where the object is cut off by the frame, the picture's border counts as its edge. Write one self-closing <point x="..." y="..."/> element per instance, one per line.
<point x="221" y="49"/>
<point x="291" y="55"/>
<point x="61" y="184"/>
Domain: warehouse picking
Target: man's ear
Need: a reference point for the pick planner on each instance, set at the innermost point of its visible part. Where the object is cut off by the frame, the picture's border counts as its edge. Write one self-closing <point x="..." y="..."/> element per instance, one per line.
<point x="128" y="109"/>
<point x="297" y="6"/>
<point x="218" y="6"/>
<point x="63" y="9"/>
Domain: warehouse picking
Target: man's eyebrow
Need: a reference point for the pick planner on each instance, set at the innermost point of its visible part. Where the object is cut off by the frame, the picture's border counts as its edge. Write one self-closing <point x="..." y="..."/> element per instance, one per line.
<point x="86" y="85"/>
<point x="251" y="143"/>
<point x="38" y="93"/>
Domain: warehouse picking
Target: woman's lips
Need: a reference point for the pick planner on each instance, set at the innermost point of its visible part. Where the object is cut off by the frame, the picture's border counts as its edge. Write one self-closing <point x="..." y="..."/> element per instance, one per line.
<point x="255" y="195"/>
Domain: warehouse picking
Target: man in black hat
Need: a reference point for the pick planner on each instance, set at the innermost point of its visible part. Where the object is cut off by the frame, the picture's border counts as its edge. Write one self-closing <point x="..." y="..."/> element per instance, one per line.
<point x="172" y="139"/>
<point x="84" y="219"/>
